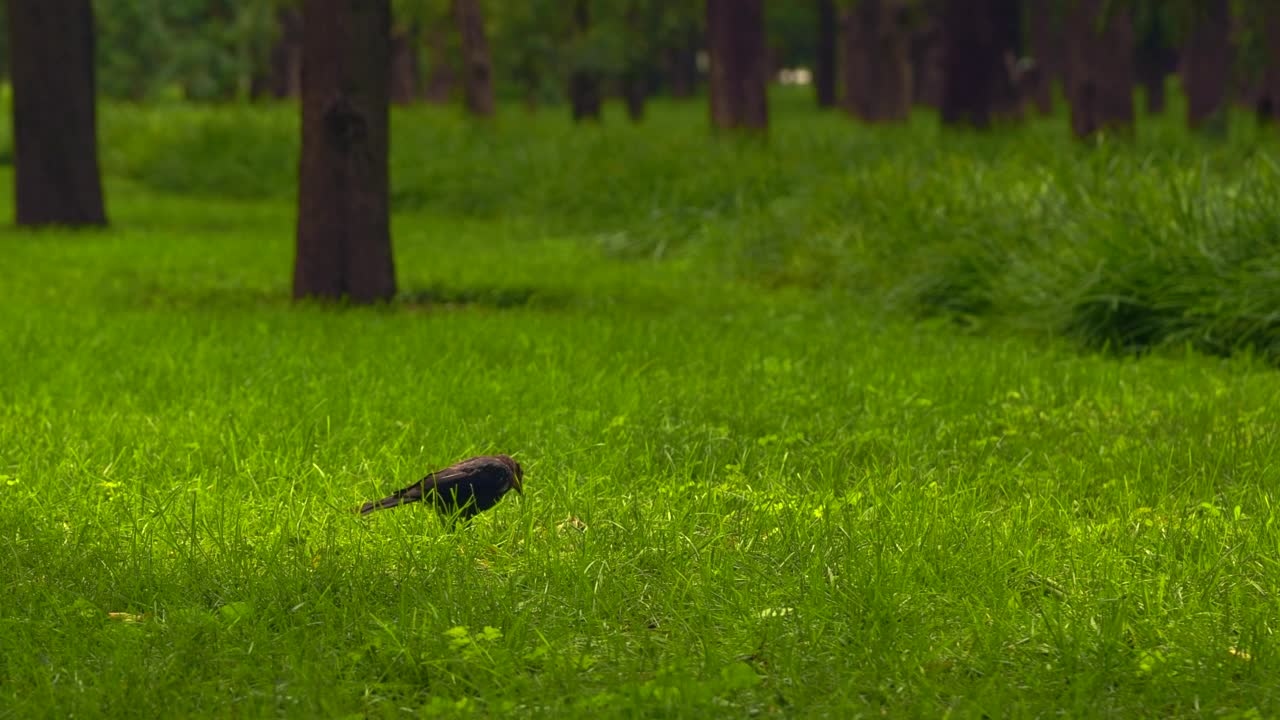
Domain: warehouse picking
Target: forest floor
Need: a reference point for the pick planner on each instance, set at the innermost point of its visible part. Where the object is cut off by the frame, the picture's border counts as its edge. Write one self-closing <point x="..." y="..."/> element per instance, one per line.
<point x="746" y="493"/>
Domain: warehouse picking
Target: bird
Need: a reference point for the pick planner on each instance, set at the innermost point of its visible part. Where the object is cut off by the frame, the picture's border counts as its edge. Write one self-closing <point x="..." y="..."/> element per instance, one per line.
<point x="461" y="490"/>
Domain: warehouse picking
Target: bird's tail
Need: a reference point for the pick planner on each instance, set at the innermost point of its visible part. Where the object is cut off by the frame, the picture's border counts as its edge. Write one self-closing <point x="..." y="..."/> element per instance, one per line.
<point x="413" y="493"/>
<point x="383" y="504"/>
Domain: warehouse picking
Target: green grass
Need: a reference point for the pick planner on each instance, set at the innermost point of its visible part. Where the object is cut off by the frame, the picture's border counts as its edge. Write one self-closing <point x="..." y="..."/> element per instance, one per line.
<point x="754" y="484"/>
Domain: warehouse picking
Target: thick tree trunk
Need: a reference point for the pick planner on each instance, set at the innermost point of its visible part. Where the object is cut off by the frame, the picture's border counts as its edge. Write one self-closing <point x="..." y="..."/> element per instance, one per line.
<point x="877" y="63"/>
<point x="739" y="74"/>
<point x="980" y="38"/>
<point x="477" y="62"/>
<point x="344" y="238"/>
<point x="55" y="137"/>
<point x="585" y="99"/>
<point x="1100" y="69"/>
<point x="824" y="70"/>
<point x="404" y="66"/>
<point x="441" y="77"/>
<point x="1206" y="60"/>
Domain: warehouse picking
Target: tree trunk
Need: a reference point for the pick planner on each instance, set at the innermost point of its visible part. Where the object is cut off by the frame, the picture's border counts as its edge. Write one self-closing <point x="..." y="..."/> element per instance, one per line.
<point x="55" y="137"/>
<point x="824" y="71"/>
<point x="739" y="75"/>
<point x="1269" y="102"/>
<point x="634" y="93"/>
<point x="980" y="37"/>
<point x="1153" y="60"/>
<point x="344" y="237"/>
<point x="682" y="68"/>
<point x="477" y="62"/>
<point x="441" y="77"/>
<point x="877" y="63"/>
<point x="285" y="61"/>
<point x="584" y="83"/>
<point x="1047" y="50"/>
<point x="928" y="55"/>
<point x="404" y="66"/>
<point x="1206" y="65"/>
<point x="1100" y="69"/>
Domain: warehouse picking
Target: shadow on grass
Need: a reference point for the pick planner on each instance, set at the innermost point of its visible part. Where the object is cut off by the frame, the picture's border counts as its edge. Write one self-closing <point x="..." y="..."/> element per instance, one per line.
<point x="430" y="299"/>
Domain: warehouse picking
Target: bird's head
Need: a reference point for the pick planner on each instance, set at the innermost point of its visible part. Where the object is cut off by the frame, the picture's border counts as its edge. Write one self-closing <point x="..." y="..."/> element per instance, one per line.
<point x="517" y="474"/>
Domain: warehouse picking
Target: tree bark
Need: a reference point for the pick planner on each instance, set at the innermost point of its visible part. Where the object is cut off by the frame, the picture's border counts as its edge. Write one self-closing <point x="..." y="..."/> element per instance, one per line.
<point x="1153" y="61"/>
<point x="877" y="63"/>
<point x="585" y="99"/>
<point x="824" y="70"/>
<point x="1099" y="69"/>
<point x="344" y="237"/>
<point x="928" y="57"/>
<point x="1047" y="50"/>
<point x="55" y="137"/>
<point x="284" y="77"/>
<point x="404" y="66"/>
<point x="1206" y="61"/>
<point x="739" y="74"/>
<point x="682" y="67"/>
<point x="441" y="77"/>
<point x="477" y="62"/>
<point x="1269" y="103"/>
<point x="980" y="37"/>
<point x="634" y="92"/>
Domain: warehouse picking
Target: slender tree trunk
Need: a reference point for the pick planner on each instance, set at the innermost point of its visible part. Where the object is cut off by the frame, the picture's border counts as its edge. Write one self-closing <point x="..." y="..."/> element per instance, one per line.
<point x="1153" y="60"/>
<point x="1047" y="49"/>
<point x="442" y="76"/>
<point x="585" y="99"/>
<point x="1007" y="82"/>
<point x="1207" y="58"/>
<point x="824" y="72"/>
<point x="682" y="67"/>
<point x="977" y="74"/>
<point x="928" y="55"/>
<point x="55" y="137"/>
<point x="1100" y="69"/>
<point x="477" y="62"/>
<point x="344" y="238"/>
<point x="1269" y="104"/>
<point x="634" y="93"/>
<point x="739" y="74"/>
<point x="404" y="66"/>
<point x="285" y="73"/>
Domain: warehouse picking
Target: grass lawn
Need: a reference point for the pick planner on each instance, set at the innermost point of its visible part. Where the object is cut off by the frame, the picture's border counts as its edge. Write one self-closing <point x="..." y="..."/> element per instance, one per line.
<point x="744" y="494"/>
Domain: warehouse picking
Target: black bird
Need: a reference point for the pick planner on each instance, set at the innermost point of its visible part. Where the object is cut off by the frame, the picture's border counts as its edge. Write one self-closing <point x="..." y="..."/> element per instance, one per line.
<point x="462" y="489"/>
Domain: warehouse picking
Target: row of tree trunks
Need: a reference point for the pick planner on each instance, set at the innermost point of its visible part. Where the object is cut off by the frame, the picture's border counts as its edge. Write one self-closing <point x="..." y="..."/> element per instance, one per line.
<point x="1099" y="69"/>
<point x="55" y="136"/>
<point x="739" y="64"/>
